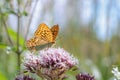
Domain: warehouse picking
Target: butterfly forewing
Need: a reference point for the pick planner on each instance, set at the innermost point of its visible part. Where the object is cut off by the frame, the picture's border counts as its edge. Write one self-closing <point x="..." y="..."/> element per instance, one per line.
<point x="54" y="31"/>
<point x="44" y="33"/>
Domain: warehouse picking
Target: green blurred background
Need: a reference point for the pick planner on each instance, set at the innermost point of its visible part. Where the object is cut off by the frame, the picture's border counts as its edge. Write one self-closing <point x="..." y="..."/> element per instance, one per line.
<point x="89" y="29"/>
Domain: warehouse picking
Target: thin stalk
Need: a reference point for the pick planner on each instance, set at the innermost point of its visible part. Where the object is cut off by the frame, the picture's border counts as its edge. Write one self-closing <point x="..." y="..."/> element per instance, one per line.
<point x="18" y="30"/>
<point x="31" y="15"/>
<point x="6" y="29"/>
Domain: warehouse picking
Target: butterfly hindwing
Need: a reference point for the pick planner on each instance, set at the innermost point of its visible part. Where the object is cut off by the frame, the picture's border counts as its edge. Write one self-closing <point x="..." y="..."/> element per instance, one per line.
<point x="36" y="43"/>
<point x="54" y="31"/>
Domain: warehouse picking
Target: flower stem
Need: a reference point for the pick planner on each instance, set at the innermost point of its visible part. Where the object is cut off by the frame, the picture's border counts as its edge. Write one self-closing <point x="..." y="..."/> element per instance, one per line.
<point x="18" y="29"/>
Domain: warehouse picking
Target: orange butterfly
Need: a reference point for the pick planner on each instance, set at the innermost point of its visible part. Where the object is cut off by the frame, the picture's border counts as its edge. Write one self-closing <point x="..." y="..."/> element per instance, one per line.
<point x="43" y="37"/>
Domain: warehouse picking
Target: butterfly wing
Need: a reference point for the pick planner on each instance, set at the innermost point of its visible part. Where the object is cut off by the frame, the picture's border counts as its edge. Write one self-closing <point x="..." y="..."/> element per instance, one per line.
<point x="31" y="43"/>
<point x="43" y="37"/>
<point x="35" y="44"/>
<point x="43" y="32"/>
<point x="42" y="46"/>
<point x="54" y="31"/>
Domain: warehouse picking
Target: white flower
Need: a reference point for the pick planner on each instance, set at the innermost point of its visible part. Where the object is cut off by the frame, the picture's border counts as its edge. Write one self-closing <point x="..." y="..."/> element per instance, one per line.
<point x="116" y="73"/>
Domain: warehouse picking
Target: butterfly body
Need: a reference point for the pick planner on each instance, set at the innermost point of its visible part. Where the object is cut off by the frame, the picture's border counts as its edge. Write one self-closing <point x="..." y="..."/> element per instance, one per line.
<point x="43" y="37"/>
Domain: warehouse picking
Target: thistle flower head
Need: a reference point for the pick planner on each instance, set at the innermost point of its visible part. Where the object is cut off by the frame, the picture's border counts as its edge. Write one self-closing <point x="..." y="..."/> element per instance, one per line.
<point x="51" y="63"/>
<point x="57" y="57"/>
<point x="82" y="76"/>
<point x="31" y="62"/>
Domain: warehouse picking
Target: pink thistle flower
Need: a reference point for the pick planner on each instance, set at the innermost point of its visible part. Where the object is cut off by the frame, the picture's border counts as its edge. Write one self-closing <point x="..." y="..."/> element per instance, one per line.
<point x="54" y="57"/>
<point x="24" y="77"/>
<point x="31" y="62"/>
<point x="51" y="63"/>
<point x="84" y="76"/>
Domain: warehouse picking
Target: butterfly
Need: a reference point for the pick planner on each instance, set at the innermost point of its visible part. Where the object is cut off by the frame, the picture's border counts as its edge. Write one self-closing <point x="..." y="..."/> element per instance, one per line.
<point x="43" y="37"/>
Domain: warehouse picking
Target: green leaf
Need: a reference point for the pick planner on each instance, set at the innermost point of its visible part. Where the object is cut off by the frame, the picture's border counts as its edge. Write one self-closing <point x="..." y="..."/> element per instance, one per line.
<point x="2" y="46"/>
<point x="10" y="11"/>
<point x="13" y="36"/>
<point x="2" y="77"/>
<point x="25" y="13"/>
